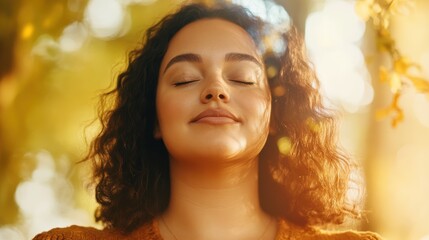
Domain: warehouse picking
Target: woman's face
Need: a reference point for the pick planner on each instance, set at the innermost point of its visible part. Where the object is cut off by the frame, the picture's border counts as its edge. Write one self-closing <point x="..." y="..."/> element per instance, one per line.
<point x="213" y="100"/>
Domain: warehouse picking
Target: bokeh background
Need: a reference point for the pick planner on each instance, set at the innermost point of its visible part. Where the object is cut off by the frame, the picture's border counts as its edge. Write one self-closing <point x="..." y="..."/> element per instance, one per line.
<point x="57" y="56"/>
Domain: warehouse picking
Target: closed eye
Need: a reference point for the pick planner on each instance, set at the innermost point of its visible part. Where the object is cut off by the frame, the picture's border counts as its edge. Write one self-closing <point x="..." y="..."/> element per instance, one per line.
<point x="243" y="82"/>
<point x="177" y="84"/>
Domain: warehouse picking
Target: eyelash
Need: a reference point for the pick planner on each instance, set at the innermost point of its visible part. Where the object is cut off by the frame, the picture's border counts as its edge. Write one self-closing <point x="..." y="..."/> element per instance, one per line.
<point x="243" y="82"/>
<point x="177" y="84"/>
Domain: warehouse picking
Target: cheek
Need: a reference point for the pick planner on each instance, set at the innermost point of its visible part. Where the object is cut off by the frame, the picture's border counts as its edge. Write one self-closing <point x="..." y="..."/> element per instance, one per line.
<point x="257" y="109"/>
<point x="167" y="110"/>
<point x="172" y="109"/>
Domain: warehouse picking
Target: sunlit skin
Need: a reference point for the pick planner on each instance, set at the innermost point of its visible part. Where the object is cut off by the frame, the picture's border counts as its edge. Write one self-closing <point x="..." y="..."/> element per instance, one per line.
<point x="213" y="107"/>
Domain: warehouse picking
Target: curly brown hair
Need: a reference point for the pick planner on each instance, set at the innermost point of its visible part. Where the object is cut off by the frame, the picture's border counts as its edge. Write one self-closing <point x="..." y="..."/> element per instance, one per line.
<point x="306" y="185"/>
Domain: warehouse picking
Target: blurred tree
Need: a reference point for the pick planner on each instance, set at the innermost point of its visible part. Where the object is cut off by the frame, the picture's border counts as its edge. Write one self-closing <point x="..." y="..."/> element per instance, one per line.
<point x="21" y="23"/>
<point x="8" y="34"/>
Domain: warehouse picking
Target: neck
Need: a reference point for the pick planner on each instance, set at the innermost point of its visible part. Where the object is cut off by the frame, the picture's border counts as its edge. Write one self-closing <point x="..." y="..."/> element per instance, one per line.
<point x="209" y="200"/>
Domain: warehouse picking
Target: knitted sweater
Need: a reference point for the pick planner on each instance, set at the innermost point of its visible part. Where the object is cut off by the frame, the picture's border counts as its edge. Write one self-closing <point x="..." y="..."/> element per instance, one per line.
<point x="150" y="231"/>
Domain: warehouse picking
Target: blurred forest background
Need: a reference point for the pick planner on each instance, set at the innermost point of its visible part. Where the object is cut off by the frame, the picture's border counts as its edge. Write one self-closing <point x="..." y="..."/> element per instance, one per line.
<point x="56" y="57"/>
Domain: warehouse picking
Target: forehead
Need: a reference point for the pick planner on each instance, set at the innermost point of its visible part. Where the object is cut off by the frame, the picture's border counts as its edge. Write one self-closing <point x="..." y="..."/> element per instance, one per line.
<point x="211" y="37"/>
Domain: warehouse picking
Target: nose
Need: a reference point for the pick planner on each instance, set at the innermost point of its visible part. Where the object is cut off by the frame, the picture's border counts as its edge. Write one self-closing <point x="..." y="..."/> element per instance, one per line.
<point x="215" y="92"/>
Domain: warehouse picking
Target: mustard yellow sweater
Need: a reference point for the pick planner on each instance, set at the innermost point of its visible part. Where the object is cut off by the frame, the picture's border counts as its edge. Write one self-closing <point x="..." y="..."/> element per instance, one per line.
<point x="286" y="231"/>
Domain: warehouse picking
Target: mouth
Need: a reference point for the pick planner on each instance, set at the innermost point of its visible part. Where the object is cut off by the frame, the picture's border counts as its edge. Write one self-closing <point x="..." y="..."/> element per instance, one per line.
<point x="216" y="116"/>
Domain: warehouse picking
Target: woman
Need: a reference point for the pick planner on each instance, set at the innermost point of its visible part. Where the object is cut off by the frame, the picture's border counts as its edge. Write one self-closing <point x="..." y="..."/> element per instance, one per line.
<point x="190" y="148"/>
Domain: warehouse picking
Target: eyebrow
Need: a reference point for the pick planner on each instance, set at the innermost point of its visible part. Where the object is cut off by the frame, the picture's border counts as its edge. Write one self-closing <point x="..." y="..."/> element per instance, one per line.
<point x="187" y="57"/>
<point x="230" y="57"/>
<point x="241" y="57"/>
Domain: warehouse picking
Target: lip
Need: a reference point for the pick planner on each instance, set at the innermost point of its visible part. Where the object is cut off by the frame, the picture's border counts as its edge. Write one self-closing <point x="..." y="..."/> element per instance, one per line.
<point x="215" y="116"/>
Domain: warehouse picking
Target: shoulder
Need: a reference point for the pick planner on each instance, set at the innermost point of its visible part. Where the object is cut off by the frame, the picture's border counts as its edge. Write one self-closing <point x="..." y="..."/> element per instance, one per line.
<point x="352" y="235"/>
<point x="288" y="230"/>
<point x="77" y="233"/>
<point x="144" y="232"/>
<point x="72" y="232"/>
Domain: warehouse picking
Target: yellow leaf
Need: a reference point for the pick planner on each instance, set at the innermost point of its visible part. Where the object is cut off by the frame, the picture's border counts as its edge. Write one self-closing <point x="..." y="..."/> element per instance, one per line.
<point x="421" y="84"/>
<point x="401" y="65"/>
<point x="385" y="41"/>
<point x="395" y="82"/>
<point x="399" y="117"/>
<point x="385" y="22"/>
<point x="398" y="114"/>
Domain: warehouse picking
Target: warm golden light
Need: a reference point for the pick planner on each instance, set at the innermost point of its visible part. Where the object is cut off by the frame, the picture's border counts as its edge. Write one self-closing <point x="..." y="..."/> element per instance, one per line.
<point x="27" y="31"/>
<point x="62" y="57"/>
<point x="284" y="145"/>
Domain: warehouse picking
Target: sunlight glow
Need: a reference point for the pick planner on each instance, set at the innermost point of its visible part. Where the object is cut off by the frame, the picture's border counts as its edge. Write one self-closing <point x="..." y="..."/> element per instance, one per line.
<point x="332" y="37"/>
<point x="105" y="18"/>
<point x="268" y="11"/>
<point x="45" y="199"/>
<point x="278" y="19"/>
<point x="425" y="237"/>
<point x="46" y="47"/>
<point x="355" y="190"/>
<point x="28" y="193"/>
<point x="73" y="37"/>
<point x="257" y="7"/>
<point x="27" y="31"/>
<point x="284" y="145"/>
<point x="11" y="232"/>
<point x="344" y="22"/>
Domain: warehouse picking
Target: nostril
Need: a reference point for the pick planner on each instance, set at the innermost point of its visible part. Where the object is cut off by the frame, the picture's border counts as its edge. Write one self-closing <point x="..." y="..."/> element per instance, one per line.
<point x="221" y="96"/>
<point x="209" y="96"/>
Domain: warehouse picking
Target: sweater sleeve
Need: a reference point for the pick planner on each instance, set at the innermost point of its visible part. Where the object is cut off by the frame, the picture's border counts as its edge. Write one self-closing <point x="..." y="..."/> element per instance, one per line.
<point x="289" y="231"/>
<point x="353" y="235"/>
<point x="69" y="233"/>
<point x="369" y="236"/>
<point x="148" y="231"/>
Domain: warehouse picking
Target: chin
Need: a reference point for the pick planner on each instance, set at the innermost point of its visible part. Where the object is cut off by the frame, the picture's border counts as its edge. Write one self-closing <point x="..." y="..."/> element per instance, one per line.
<point x="228" y="147"/>
<point x="225" y="152"/>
